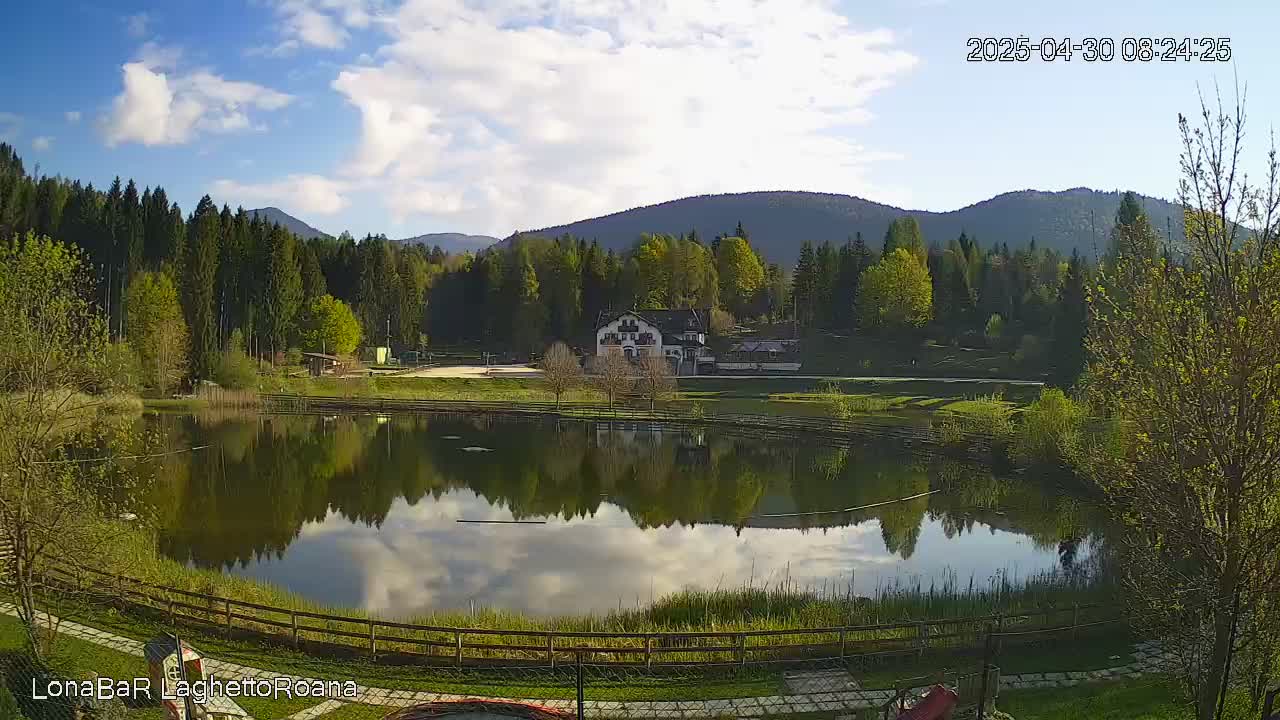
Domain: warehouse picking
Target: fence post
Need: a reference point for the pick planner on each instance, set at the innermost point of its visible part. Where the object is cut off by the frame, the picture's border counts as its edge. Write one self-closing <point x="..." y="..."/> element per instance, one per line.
<point x="551" y="650"/>
<point x="842" y="642"/>
<point x="1075" y="620"/>
<point x="227" y="608"/>
<point x="986" y="670"/>
<point x="922" y="636"/>
<point x="170" y="598"/>
<point x="457" y="647"/>
<point x="648" y="651"/>
<point x="742" y="649"/>
<point x="373" y="638"/>
<point x="578" y="662"/>
<point x="293" y="622"/>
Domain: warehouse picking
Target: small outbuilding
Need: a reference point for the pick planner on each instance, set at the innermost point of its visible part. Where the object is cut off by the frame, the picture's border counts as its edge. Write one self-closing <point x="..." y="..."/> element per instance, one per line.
<point x="320" y="364"/>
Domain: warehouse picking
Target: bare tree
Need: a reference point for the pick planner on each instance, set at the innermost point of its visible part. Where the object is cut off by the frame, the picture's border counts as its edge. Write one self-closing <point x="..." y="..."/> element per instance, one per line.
<point x="57" y="505"/>
<point x="561" y="370"/>
<point x="612" y="373"/>
<point x="1184" y="358"/>
<point x="656" y="379"/>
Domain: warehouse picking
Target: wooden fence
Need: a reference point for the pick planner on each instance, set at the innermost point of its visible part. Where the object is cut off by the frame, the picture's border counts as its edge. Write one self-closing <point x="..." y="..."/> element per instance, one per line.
<point x="837" y="430"/>
<point x="426" y="644"/>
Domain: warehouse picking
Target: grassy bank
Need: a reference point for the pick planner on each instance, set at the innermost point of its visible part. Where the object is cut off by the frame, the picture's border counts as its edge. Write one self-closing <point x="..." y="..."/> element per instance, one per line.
<point x="764" y="395"/>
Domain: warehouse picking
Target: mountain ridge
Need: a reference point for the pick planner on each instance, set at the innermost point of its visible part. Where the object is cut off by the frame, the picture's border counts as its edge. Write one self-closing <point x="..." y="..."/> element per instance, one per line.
<point x="778" y="221"/>
<point x="273" y="214"/>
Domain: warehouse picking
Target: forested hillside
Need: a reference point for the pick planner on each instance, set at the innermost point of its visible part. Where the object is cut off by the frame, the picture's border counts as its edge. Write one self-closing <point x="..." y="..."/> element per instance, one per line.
<point x="276" y="216"/>
<point x="194" y="295"/>
<point x="1077" y="219"/>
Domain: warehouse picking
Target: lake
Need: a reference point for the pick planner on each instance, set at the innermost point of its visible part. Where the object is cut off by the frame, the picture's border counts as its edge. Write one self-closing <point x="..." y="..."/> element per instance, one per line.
<point x="406" y="513"/>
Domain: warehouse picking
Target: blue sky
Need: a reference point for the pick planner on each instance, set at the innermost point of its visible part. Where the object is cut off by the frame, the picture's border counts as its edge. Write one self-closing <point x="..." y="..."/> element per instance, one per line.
<point x="482" y="116"/>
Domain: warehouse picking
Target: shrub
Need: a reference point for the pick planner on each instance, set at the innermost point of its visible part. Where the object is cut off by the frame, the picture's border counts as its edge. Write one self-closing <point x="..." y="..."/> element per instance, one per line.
<point x="1049" y="430"/>
<point x="293" y="356"/>
<point x="994" y="329"/>
<point x="1029" y="351"/>
<point x="235" y="370"/>
<point x="8" y="705"/>
<point x="721" y="322"/>
<point x="120" y="371"/>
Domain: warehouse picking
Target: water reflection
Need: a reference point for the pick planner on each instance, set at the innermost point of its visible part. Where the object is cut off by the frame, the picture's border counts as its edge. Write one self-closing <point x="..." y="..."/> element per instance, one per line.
<point x="362" y="512"/>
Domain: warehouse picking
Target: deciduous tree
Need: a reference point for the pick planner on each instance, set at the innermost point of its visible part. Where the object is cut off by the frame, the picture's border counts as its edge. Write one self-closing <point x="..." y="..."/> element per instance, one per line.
<point x="896" y="292"/>
<point x="561" y="370"/>
<point x="1183" y="355"/>
<point x="612" y="373"/>
<point x="157" y="330"/>
<point x="329" y="326"/>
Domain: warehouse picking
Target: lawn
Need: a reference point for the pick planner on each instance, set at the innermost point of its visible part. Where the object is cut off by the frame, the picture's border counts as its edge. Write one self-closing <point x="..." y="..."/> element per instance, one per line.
<point x="779" y="395"/>
<point x="78" y="659"/>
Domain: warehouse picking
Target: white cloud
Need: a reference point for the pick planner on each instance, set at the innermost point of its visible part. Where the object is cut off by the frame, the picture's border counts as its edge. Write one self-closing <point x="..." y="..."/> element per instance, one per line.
<point x="494" y="116"/>
<point x="10" y="126"/>
<point x="42" y="142"/>
<point x="320" y="23"/>
<point x="73" y="116"/>
<point x="298" y="193"/>
<point x="137" y="24"/>
<point x="165" y="108"/>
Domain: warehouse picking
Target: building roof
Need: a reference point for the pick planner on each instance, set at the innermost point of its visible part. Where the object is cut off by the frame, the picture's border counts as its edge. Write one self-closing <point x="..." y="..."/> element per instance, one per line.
<point x="322" y="356"/>
<point x="749" y="346"/>
<point x="674" y="341"/>
<point x="667" y="321"/>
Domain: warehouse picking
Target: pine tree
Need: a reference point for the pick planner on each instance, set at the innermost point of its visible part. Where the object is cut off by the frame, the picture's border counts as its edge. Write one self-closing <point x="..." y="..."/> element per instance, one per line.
<point x="313" y="283"/>
<point x="113" y="256"/>
<point x="803" y="282"/>
<point x="281" y="289"/>
<point x="157" y="229"/>
<point x="129" y="236"/>
<point x="200" y="287"/>
<point x="1069" y="325"/>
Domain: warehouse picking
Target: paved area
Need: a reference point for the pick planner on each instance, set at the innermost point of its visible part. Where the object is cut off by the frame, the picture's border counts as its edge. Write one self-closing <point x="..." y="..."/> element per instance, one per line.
<point x="816" y="691"/>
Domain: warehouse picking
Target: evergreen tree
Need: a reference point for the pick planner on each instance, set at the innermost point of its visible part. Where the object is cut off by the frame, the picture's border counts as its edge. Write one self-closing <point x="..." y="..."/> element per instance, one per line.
<point x="803" y="283"/>
<point x="157" y="241"/>
<point x="200" y="287"/>
<point x="281" y="289"/>
<point x="528" y="314"/>
<point x="313" y="281"/>
<point x="1069" y="325"/>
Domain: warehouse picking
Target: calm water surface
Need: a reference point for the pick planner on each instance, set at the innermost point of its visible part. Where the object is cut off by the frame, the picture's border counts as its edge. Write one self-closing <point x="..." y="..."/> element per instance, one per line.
<point x="363" y="511"/>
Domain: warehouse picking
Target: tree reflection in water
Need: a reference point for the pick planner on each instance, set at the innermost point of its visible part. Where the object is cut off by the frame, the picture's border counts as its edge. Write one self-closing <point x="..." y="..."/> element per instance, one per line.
<point x="267" y="477"/>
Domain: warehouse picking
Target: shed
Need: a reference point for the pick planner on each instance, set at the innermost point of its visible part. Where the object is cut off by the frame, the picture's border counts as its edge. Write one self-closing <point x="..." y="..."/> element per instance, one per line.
<point x="321" y="364"/>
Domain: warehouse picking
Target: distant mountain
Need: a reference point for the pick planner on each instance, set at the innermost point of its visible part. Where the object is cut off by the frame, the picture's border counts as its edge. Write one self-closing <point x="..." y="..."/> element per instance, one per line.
<point x="288" y="222"/>
<point x="452" y="242"/>
<point x="778" y="222"/>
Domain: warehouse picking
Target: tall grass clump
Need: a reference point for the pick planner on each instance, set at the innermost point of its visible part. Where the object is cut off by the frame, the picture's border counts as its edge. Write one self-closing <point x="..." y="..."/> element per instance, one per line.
<point x="844" y="406"/>
<point x="987" y="416"/>
<point x="234" y="368"/>
<point x="214" y="396"/>
<point x="1048" y="429"/>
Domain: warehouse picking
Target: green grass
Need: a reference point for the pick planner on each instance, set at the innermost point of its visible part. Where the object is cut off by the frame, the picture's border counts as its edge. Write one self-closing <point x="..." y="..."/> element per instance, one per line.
<point x="1102" y="648"/>
<point x="1145" y="699"/>
<point x="866" y="354"/>
<point x="75" y="658"/>
<point x="356" y="711"/>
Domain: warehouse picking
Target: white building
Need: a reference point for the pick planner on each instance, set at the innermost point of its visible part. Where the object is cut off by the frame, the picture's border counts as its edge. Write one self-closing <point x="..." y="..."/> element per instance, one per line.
<point x="678" y="335"/>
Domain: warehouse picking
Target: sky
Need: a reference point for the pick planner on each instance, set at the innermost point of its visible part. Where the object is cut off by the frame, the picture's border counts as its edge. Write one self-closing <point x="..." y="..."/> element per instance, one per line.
<point x="488" y="116"/>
